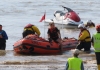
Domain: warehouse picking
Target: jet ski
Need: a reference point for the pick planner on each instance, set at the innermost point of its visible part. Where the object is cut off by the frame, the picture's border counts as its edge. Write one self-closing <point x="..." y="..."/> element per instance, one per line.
<point x="69" y="19"/>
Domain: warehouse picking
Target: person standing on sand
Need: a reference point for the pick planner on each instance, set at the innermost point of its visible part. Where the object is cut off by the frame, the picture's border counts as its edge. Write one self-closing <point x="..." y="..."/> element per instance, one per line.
<point x="3" y="38"/>
<point x="74" y="63"/>
<point x="96" y="44"/>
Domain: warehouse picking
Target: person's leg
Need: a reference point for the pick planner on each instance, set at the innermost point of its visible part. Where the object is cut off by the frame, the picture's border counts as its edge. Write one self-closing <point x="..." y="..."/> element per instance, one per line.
<point x="0" y="46"/>
<point x="87" y="46"/>
<point x="79" y="46"/>
<point x="98" y="59"/>
<point x="59" y="41"/>
<point x="3" y="46"/>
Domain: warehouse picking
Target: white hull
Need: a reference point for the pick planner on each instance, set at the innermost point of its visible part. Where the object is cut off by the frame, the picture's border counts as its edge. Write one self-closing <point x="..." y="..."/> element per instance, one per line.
<point x="64" y="24"/>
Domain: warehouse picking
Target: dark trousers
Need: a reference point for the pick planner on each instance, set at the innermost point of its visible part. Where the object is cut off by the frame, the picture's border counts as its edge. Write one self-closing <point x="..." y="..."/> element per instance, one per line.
<point x="85" y="45"/>
<point x="27" y="32"/>
<point x="2" y="46"/>
<point x="97" y="57"/>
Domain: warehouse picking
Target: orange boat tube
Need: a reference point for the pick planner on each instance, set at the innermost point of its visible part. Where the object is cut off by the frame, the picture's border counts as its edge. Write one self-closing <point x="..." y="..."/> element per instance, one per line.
<point x="38" y="45"/>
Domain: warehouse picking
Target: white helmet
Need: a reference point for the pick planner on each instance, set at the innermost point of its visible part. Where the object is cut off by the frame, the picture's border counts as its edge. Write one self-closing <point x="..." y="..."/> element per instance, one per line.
<point x="81" y="26"/>
<point x="76" y="51"/>
<point x="89" y="21"/>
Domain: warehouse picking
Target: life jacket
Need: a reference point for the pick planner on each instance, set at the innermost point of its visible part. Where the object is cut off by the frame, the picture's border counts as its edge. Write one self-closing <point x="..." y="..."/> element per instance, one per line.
<point x="74" y="63"/>
<point x="88" y="37"/>
<point x="53" y="33"/>
<point x="28" y="27"/>
<point x="96" y="38"/>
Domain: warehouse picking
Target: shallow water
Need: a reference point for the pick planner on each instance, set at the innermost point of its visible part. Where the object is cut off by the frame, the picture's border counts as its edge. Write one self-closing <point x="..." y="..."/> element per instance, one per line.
<point x="15" y="14"/>
<point x="41" y="62"/>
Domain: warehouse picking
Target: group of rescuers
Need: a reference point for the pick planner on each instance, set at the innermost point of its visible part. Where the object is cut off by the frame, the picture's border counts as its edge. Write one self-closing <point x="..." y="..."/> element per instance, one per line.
<point x="54" y="34"/>
<point x="85" y="40"/>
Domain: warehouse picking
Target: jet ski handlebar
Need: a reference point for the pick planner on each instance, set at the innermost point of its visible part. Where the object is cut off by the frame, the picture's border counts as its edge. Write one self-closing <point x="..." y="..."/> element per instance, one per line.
<point x="69" y="10"/>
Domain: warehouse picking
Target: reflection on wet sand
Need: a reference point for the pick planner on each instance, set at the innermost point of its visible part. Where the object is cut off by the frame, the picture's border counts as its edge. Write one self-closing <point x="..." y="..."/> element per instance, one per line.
<point x="11" y="61"/>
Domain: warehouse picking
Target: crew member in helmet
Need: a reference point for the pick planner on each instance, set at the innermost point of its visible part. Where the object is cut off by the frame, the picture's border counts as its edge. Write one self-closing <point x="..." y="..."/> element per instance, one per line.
<point x="89" y="24"/>
<point x="74" y="63"/>
<point x="30" y="29"/>
<point x="96" y="45"/>
<point x="84" y="39"/>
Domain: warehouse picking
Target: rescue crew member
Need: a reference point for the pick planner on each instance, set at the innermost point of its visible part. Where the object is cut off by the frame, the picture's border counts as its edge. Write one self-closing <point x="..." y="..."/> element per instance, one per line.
<point x="74" y="63"/>
<point x="84" y="39"/>
<point x="3" y="38"/>
<point x="96" y="45"/>
<point x="89" y="24"/>
<point x="54" y="34"/>
<point x="30" y="29"/>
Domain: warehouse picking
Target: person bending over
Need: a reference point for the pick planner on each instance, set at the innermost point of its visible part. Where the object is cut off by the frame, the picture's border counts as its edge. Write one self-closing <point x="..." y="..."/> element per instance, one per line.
<point x="30" y="29"/>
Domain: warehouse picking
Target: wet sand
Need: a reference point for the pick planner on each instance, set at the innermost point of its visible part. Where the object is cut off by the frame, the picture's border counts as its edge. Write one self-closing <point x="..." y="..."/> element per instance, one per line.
<point x="12" y="61"/>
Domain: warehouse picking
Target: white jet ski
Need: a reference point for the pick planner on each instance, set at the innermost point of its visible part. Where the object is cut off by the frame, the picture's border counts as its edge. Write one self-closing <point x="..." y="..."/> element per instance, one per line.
<point x="66" y="20"/>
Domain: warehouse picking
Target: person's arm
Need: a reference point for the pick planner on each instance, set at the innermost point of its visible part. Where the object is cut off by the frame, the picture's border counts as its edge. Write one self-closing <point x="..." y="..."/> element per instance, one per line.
<point x="82" y="66"/>
<point x="48" y="32"/>
<point x="67" y="65"/>
<point x="93" y="24"/>
<point x="58" y="31"/>
<point x="50" y="40"/>
<point x="92" y="41"/>
<point x="36" y="30"/>
<point x="5" y="35"/>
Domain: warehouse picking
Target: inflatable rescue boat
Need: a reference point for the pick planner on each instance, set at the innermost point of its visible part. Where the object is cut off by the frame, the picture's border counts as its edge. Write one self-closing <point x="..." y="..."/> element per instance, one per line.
<point x="69" y="19"/>
<point x="34" y="44"/>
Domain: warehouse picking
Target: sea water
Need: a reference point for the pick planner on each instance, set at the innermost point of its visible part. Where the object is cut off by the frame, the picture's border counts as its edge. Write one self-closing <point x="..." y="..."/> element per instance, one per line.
<point x="15" y="14"/>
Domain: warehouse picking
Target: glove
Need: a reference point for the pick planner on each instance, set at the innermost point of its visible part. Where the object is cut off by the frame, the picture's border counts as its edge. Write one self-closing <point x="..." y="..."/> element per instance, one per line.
<point x="50" y="40"/>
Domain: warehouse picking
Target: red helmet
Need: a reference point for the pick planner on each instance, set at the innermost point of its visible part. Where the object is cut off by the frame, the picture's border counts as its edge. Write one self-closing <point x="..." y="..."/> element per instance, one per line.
<point x="98" y="27"/>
